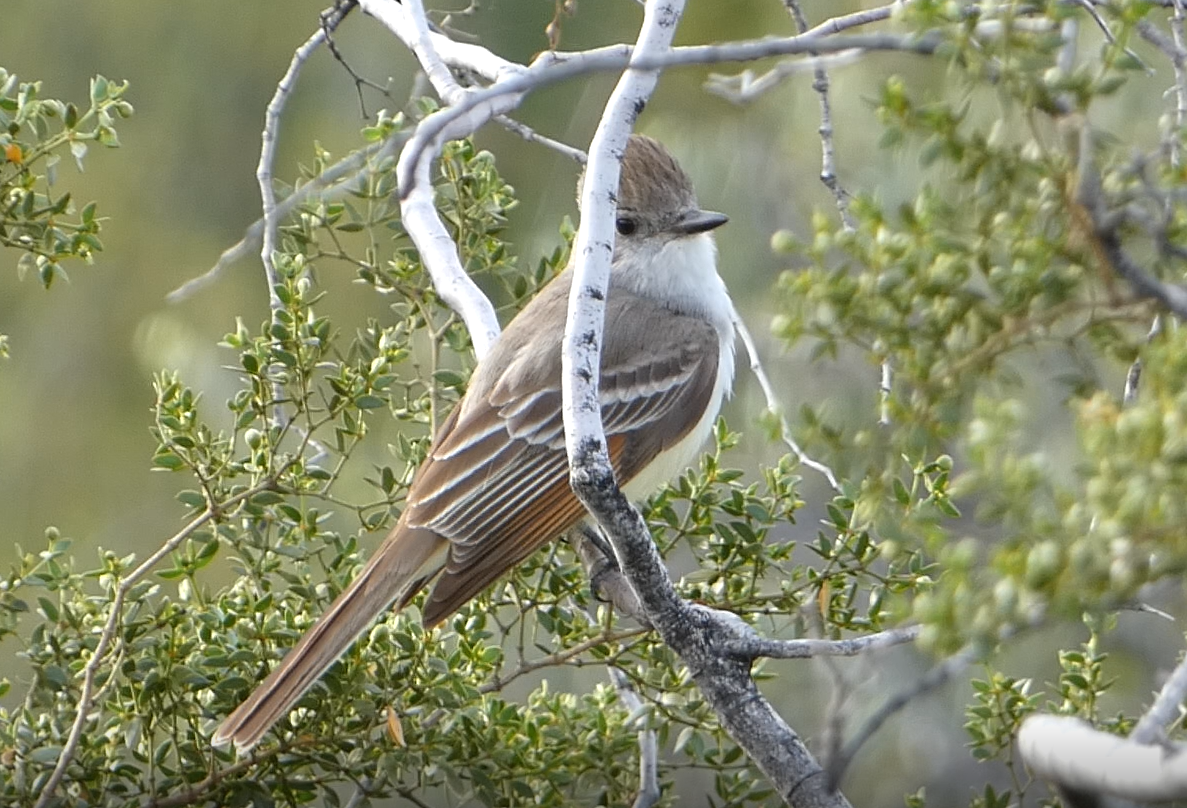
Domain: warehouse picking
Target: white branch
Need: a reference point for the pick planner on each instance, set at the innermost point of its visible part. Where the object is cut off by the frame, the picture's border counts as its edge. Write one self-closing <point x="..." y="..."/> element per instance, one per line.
<point x="440" y="257"/>
<point x="649" y="793"/>
<point x="1070" y="752"/>
<point x="268" y="157"/>
<point x="418" y="213"/>
<point x="744" y="87"/>
<point x="437" y="52"/>
<point x="585" y="440"/>
<point x="554" y="67"/>
<point x="419" y="40"/>
<point x="1166" y="710"/>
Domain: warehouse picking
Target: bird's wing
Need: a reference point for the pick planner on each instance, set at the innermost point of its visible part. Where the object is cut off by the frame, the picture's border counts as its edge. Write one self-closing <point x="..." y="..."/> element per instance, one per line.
<point x="496" y="483"/>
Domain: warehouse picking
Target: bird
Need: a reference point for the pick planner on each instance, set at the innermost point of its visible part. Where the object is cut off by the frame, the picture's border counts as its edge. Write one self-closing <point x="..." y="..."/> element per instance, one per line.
<point x="494" y="486"/>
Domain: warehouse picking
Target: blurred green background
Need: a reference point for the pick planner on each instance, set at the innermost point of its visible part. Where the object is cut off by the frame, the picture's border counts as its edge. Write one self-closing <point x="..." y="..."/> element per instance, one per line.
<point x="76" y="392"/>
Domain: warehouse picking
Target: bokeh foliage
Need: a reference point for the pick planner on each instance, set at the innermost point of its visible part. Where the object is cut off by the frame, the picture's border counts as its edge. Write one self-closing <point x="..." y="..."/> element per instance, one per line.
<point x="951" y="512"/>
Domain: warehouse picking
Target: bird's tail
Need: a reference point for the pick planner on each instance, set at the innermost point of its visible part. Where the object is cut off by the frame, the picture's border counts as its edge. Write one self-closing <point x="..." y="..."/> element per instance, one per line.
<point x="396" y="572"/>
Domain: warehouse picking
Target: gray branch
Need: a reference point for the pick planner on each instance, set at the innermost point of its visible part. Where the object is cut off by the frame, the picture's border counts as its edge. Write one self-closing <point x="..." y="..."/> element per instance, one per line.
<point x="755" y="646"/>
<point x="706" y="641"/>
<point x="937" y="676"/>
<point x="555" y="67"/>
<point x="1104" y="226"/>
<point x="1166" y="710"/>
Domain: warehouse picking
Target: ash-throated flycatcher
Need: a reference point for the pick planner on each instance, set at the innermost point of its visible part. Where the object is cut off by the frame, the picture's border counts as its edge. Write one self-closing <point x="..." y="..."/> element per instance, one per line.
<point x="495" y="484"/>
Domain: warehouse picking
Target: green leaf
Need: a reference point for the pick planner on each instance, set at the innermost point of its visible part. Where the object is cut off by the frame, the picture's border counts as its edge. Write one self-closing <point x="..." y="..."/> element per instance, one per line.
<point x="168" y="460"/>
<point x="48" y="608"/>
<point x="99" y="90"/>
<point x="45" y="755"/>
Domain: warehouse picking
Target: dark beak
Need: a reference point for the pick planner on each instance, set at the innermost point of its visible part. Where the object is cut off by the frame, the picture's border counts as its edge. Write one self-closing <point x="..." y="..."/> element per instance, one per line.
<point x="699" y="221"/>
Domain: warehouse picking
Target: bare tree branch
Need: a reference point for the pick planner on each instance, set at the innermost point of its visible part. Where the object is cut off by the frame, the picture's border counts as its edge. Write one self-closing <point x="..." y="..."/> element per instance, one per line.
<point x="1134" y="375"/>
<point x="649" y="792"/>
<point x="828" y="153"/>
<point x="333" y="183"/>
<point x="330" y="20"/>
<point x="1166" y="711"/>
<point x="937" y="676"/>
<point x="419" y="215"/>
<point x="1070" y="752"/>
<point x="744" y="87"/>
<point x="694" y="633"/>
<point x="754" y="646"/>
<point x="1177" y="60"/>
<point x="554" y="67"/>
<point x="1108" y="32"/>
<point x="532" y="136"/>
<point x="1104" y="224"/>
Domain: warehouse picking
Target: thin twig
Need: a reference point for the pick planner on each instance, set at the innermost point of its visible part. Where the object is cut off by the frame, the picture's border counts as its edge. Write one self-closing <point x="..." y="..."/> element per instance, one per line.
<point x="1171" y="46"/>
<point x="1103" y="227"/>
<point x="775" y="409"/>
<point x="1175" y="137"/>
<point x="844" y="22"/>
<point x="832" y="733"/>
<point x="744" y="87"/>
<point x="363" y="791"/>
<point x="336" y="181"/>
<point x="937" y="676"/>
<point x="330" y="18"/>
<point x="284" y="88"/>
<point x="200" y="791"/>
<point x="885" y="388"/>
<point x="532" y="136"/>
<point x="588" y="545"/>
<point x="649" y="793"/>
<point x="359" y="81"/>
<point x="1112" y="40"/>
<point x="828" y="176"/>
<point x="828" y="157"/>
<point x="1134" y="376"/>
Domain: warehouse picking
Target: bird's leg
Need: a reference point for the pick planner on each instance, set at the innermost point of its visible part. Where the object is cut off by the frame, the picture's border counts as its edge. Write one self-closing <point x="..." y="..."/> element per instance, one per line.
<point x="606" y="580"/>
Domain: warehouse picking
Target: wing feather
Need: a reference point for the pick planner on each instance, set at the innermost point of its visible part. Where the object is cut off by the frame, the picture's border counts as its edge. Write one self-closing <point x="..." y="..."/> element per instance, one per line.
<point x="496" y="483"/>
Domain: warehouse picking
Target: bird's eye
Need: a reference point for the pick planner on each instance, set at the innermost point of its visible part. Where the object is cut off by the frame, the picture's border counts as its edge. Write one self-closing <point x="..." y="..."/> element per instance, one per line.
<point x="625" y="226"/>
